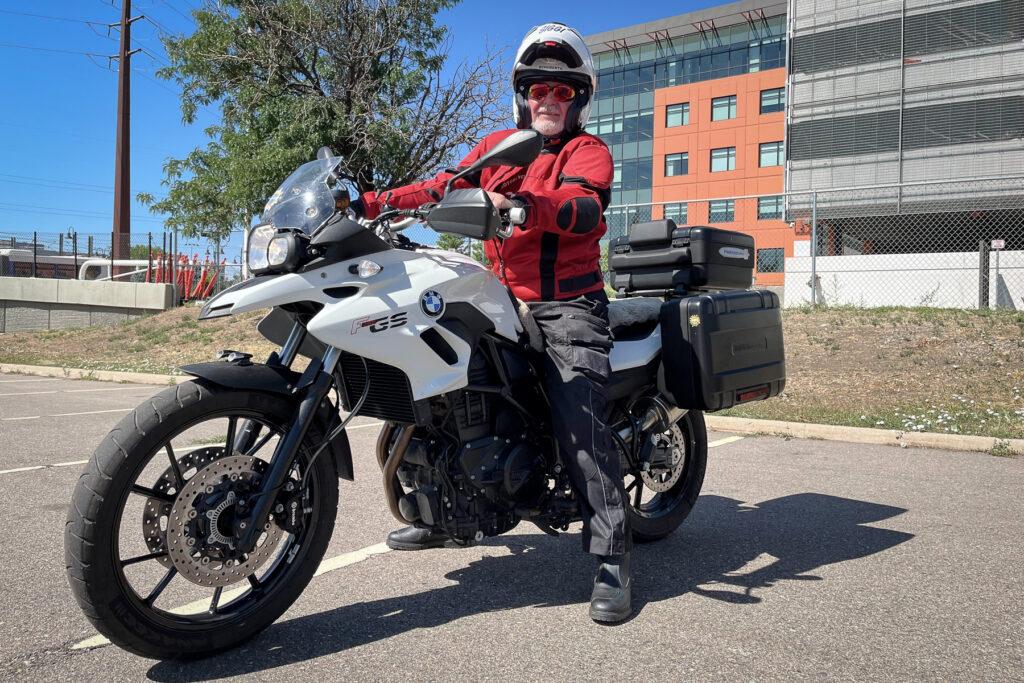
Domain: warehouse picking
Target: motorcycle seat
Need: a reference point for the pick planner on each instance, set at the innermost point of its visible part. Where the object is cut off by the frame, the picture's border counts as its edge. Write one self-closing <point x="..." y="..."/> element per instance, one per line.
<point x="633" y="317"/>
<point x="630" y="318"/>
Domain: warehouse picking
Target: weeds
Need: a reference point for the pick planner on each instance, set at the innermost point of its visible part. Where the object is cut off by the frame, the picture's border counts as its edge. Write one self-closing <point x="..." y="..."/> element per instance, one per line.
<point x="1001" y="449"/>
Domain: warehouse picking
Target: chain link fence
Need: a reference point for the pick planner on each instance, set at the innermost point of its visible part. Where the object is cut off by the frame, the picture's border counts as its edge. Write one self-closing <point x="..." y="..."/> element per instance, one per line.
<point x="952" y="244"/>
<point x="199" y="267"/>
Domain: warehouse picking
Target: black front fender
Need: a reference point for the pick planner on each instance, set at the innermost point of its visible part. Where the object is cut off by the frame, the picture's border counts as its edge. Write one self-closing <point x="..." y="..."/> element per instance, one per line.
<point x="281" y="381"/>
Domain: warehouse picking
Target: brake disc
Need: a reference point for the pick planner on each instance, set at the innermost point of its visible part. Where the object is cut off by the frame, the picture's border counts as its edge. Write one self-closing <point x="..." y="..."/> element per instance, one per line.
<point x="187" y="552"/>
<point x="156" y="512"/>
<point x="661" y="479"/>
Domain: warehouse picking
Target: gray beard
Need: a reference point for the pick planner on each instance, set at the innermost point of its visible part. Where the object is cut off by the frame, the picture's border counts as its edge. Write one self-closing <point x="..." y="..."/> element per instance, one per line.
<point x="547" y="128"/>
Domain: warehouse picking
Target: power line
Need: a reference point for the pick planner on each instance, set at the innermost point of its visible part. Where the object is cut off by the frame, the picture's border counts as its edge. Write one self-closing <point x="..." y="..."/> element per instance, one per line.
<point x="50" y="49"/>
<point x="62" y="186"/>
<point x="160" y="28"/>
<point x="179" y="12"/>
<point x="49" y="180"/>
<point x="31" y="208"/>
<point x="47" y="16"/>
<point x="51" y="185"/>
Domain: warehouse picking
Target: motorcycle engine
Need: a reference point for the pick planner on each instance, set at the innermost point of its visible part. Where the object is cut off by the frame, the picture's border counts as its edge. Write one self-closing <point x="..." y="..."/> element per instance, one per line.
<point x="470" y="486"/>
<point x="473" y="490"/>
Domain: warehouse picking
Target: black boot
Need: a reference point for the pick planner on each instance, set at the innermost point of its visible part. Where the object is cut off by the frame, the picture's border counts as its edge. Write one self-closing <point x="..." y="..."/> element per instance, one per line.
<point x="414" y="538"/>
<point x="611" y="600"/>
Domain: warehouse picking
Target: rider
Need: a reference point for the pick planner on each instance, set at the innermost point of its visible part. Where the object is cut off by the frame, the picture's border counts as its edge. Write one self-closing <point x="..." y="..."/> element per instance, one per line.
<point x="552" y="262"/>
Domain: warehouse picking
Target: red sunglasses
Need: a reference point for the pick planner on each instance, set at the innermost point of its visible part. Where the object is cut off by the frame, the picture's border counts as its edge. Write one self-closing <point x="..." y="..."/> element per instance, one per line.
<point x="562" y="92"/>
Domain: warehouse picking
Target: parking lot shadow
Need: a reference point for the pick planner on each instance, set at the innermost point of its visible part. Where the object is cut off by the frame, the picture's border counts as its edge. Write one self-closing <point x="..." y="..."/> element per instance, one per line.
<point x="782" y="539"/>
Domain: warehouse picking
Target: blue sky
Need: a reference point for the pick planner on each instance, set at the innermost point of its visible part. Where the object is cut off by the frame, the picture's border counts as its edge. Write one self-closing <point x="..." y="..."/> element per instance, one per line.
<point x="57" y="120"/>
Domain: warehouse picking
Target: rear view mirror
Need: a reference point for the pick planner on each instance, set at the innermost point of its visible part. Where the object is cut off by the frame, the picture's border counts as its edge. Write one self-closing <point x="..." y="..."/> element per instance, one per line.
<point x="518" y="149"/>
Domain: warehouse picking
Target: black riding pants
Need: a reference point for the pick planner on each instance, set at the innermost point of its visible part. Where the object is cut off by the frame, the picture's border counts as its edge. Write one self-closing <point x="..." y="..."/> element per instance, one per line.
<point x="577" y="341"/>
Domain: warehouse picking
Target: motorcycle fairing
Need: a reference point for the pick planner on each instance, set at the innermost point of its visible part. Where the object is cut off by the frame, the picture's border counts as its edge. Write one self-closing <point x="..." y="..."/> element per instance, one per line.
<point x="383" y="317"/>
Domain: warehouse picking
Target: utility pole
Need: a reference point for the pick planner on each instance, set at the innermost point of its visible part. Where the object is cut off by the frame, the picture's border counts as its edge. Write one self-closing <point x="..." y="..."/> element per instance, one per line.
<point x="122" y="165"/>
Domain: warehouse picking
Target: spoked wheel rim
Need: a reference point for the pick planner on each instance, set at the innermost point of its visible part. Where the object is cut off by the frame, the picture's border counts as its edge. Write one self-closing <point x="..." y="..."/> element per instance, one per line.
<point x="241" y="584"/>
<point x="658" y="491"/>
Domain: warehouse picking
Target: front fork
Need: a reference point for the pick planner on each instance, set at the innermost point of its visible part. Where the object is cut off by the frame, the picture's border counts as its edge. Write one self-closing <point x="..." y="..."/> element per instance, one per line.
<point x="314" y="385"/>
<point x="248" y="430"/>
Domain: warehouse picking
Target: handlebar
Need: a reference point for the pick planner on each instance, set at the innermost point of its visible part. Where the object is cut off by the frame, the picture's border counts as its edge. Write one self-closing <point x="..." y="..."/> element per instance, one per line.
<point x="509" y="219"/>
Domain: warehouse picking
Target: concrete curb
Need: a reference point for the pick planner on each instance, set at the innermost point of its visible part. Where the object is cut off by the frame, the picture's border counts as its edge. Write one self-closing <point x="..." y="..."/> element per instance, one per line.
<point x="739" y="425"/>
<point x="882" y="437"/>
<point x="101" y="375"/>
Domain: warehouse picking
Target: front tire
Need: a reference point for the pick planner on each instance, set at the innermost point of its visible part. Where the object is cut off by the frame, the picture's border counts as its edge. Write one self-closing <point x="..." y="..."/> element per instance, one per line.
<point x="656" y="515"/>
<point x="93" y="533"/>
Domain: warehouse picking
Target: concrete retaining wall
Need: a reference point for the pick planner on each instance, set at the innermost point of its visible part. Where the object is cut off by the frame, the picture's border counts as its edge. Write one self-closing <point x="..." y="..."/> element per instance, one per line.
<point x="39" y="304"/>
<point x="943" y="280"/>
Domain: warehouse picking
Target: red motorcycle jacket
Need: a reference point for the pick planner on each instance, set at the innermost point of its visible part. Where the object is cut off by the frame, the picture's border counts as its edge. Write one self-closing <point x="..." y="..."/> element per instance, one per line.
<point x="555" y="254"/>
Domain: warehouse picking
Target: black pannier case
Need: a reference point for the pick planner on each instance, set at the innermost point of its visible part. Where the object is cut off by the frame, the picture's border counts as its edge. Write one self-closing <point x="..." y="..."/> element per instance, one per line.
<point x="658" y="257"/>
<point x="721" y="349"/>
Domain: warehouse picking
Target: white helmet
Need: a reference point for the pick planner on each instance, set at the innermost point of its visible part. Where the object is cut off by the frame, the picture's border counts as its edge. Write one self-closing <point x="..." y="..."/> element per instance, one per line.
<point x="554" y="51"/>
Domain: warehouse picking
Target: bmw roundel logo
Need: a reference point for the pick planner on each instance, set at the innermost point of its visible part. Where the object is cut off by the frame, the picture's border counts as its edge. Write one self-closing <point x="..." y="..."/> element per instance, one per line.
<point x="432" y="303"/>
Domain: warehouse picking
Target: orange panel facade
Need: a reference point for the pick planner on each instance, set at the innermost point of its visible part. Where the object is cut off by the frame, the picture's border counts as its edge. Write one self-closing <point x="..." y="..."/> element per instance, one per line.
<point x="746" y="132"/>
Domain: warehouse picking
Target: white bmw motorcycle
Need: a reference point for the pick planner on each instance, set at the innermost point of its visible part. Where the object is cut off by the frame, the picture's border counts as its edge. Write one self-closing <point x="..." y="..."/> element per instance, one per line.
<point x="229" y="482"/>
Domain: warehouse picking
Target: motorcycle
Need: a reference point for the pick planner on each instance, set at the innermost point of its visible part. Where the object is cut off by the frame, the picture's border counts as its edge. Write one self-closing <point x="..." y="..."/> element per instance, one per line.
<point x="230" y="480"/>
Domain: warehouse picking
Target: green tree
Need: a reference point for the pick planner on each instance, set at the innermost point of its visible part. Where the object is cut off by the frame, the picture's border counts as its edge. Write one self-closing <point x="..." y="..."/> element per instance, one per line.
<point x="141" y="251"/>
<point x="476" y="250"/>
<point x="364" y="77"/>
<point x="453" y="243"/>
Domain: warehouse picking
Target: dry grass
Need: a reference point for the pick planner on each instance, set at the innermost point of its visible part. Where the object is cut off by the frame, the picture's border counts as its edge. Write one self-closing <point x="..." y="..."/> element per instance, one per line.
<point x="913" y="369"/>
<point x="158" y="343"/>
<point x="957" y="371"/>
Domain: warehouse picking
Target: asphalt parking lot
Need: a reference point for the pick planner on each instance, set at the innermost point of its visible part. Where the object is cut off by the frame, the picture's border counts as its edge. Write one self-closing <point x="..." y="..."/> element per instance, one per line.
<point x="802" y="560"/>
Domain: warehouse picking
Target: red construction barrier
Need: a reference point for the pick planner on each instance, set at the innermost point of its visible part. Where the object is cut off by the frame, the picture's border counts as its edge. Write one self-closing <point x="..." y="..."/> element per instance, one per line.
<point x="213" y="279"/>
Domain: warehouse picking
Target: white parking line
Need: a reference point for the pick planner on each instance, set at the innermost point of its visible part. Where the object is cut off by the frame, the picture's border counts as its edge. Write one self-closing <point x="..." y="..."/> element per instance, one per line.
<point x="69" y="464"/>
<point x="329" y="565"/>
<point x="23" y="469"/>
<point x="326" y="566"/>
<point x="72" y="391"/>
<point x="92" y="412"/>
<point x="19" y="381"/>
<point x="88" y="412"/>
<point x="72" y="463"/>
<point x="44" y="467"/>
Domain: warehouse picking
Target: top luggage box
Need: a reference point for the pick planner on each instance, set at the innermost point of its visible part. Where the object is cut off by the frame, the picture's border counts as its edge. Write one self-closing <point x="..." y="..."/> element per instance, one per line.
<point x="658" y="258"/>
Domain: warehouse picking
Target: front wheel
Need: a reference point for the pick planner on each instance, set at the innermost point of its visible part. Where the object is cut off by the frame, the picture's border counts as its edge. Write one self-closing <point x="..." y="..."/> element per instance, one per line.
<point x="149" y="541"/>
<point x="661" y="497"/>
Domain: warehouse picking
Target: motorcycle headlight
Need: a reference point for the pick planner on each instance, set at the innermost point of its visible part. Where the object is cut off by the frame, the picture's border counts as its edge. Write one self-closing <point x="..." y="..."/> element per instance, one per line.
<point x="259" y="241"/>
<point x="279" y="250"/>
<point x="274" y="250"/>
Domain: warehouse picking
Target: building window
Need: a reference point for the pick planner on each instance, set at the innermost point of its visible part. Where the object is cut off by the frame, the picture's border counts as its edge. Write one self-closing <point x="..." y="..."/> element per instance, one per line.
<point x="721" y="211"/>
<point x="723" y="108"/>
<point x="773" y="100"/>
<point x="769" y="208"/>
<point x="723" y="159"/>
<point x="677" y="115"/>
<point x="771" y="154"/>
<point x="771" y="260"/>
<point x="677" y="212"/>
<point x="677" y="164"/>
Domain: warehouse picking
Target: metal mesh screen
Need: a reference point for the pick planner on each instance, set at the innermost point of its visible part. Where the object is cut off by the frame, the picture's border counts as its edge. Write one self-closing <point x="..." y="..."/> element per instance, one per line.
<point x="948" y="245"/>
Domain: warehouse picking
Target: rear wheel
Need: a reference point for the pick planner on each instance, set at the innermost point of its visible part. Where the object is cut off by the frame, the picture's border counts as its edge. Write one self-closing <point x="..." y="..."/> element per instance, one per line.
<point x="661" y="497"/>
<point x="150" y="537"/>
